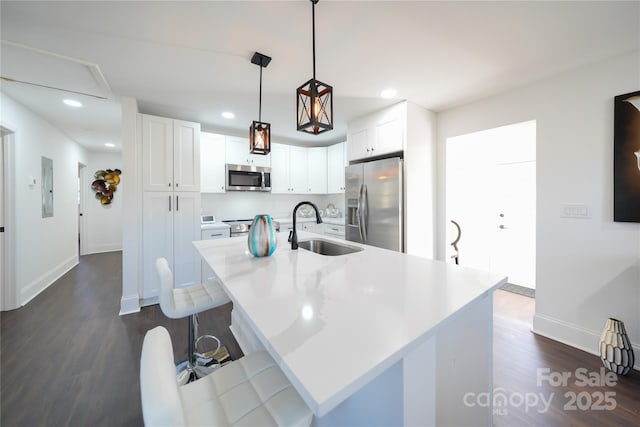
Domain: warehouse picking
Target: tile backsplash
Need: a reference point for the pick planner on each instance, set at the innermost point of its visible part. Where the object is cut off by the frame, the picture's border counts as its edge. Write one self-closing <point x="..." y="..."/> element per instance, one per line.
<point x="245" y="205"/>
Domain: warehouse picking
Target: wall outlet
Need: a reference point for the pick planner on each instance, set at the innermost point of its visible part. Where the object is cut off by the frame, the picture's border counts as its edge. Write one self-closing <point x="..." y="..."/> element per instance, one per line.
<point x="576" y="211"/>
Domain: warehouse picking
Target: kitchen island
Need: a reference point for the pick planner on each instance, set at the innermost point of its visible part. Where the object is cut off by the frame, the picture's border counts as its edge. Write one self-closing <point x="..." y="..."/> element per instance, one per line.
<point x="370" y="338"/>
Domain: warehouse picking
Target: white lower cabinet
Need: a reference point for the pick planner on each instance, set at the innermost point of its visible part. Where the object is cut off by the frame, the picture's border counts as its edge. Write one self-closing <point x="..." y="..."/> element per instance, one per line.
<point x="171" y="222"/>
<point x="334" y="230"/>
<point x="313" y="227"/>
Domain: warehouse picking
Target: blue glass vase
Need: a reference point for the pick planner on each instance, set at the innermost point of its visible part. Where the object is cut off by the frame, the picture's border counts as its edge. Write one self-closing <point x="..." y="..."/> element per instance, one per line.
<point x="262" y="236"/>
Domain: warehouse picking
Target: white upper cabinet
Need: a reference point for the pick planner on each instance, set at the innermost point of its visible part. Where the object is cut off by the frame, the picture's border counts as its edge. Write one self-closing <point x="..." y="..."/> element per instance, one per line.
<point x="280" y="169"/>
<point x="238" y="153"/>
<point x="317" y="170"/>
<point x="212" y="162"/>
<point x="171" y="154"/>
<point x="380" y="133"/>
<point x="335" y="168"/>
<point x="289" y="171"/>
<point x="298" y="170"/>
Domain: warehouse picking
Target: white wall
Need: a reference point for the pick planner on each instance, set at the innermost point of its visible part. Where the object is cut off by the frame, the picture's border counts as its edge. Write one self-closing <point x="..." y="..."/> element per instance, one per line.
<point x="587" y="269"/>
<point x="420" y="184"/>
<point x="131" y="208"/>
<point x="103" y="223"/>
<point x="46" y="248"/>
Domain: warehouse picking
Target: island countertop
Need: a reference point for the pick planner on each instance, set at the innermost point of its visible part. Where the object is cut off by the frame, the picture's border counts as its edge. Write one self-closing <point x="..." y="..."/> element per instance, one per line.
<point x="333" y="323"/>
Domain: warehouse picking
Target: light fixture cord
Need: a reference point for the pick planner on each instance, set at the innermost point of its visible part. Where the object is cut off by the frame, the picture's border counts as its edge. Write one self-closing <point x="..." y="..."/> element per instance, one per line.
<point x="313" y="26"/>
<point x="260" y="98"/>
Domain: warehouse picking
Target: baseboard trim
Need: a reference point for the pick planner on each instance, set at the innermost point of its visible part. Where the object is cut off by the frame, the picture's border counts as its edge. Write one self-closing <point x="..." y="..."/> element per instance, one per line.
<point x="45" y="280"/>
<point x="573" y="335"/>
<point x="100" y="249"/>
<point x="129" y="304"/>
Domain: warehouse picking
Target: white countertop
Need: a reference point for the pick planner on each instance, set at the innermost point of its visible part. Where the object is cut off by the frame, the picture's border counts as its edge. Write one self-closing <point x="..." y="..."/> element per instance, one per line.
<point x="335" y="323"/>
<point x="215" y="226"/>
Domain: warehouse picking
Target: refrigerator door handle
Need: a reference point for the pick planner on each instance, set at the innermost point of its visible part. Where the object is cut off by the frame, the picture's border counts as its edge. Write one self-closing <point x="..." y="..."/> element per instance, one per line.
<point x="362" y="207"/>
<point x="359" y="212"/>
<point x="365" y="213"/>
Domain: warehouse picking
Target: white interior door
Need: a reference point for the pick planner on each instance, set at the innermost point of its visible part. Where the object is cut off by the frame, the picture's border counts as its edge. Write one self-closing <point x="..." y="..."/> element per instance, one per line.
<point x="8" y="287"/>
<point x="82" y="181"/>
<point x="2" y="224"/>
<point x="513" y="224"/>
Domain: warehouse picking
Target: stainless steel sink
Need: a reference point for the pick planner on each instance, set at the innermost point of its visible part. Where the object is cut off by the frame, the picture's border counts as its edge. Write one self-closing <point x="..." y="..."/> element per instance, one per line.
<point x="326" y="247"/>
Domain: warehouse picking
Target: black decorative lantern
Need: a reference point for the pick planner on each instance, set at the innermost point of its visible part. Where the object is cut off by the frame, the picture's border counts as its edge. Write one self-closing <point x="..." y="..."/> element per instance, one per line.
<point x="260" y="132"/>
<point x="314" y="99"/>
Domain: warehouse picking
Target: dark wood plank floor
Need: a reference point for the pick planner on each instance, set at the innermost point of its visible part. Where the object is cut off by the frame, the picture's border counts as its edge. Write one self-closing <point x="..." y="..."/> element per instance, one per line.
<point x="520" y="357"/>
<point x="69" y="359"/>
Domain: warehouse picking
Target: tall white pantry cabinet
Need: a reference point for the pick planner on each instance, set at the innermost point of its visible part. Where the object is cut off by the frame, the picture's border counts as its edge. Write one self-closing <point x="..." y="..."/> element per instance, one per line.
<point x="170" y="200"/>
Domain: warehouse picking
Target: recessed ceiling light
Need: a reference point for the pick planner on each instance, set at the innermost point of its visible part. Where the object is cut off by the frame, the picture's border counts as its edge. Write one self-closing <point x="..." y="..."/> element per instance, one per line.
<point x="388" y="93"/>
<point x="72" y="103"/>
<point x="228" y="115"/>
<point x="109" y="144"/>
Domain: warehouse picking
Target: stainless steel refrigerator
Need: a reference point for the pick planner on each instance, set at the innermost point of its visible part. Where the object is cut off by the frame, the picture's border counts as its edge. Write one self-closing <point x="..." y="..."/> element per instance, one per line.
<point x="373" y="201"/>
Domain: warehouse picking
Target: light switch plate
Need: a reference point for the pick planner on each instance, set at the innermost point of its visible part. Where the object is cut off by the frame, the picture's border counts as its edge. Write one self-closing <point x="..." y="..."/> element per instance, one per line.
<point x="576" y="211"/>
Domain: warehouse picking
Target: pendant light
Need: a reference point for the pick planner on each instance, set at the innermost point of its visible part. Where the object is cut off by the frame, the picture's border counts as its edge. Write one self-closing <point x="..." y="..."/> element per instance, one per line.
<point x="314" y="98"/>
<point x="259" y="131"/>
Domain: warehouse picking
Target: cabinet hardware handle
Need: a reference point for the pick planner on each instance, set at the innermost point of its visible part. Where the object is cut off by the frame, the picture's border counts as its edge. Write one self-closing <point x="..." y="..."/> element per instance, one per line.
<point x="169" y="203"/>
<point x="177" y="204"/>
<point x="216" y="234"/>
<point x="169" y="184"/>
<point x="176" y="184"/>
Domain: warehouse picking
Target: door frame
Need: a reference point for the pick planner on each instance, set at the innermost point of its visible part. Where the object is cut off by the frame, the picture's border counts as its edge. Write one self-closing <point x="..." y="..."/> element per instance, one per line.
<point x="9" y="288"/>
<point x="485" y="146"/>
<point x="82" y="246"/>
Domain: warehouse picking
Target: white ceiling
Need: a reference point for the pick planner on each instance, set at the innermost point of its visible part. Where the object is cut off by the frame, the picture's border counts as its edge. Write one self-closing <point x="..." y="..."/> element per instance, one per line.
<point x="191" y="60"/>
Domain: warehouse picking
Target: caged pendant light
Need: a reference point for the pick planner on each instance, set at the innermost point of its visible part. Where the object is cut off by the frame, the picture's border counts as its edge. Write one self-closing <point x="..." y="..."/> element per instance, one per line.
<point x="314" y="98"/>
<point x="259" y="131"/>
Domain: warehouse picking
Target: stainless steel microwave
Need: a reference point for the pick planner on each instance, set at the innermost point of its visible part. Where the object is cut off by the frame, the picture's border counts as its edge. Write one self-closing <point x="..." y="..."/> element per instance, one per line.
<point x="247" y="178"/>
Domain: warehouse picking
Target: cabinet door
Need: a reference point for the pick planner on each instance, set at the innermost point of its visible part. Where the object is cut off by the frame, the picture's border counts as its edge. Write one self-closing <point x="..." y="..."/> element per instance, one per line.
<point x="389" y="137"/>
<point x="157" y="153"/>
<point x="313" y="227"/>
<point x="298" y="170"/>
<point x="335" y="168"/>
<point x="238" y="153"/>
<point x="358" y="144"/>
<point x="280" y="169"/>
<point x="186" y="229"/>
<point x="157" y="237"/>
<point x="212" y="162"/>
<point x="186" y="156"/>
<point x="317" y="170"/>
<point x="389" y="130"/>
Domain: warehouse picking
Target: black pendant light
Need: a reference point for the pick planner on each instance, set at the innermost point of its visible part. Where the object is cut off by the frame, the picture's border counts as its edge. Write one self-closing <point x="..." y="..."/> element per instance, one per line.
<point x="260" y="132"/>
<point x="314" y="98"/>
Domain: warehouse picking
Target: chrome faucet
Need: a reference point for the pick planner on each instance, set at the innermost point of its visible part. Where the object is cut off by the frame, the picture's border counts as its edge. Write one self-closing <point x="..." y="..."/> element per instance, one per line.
<point x="293" y="236"/>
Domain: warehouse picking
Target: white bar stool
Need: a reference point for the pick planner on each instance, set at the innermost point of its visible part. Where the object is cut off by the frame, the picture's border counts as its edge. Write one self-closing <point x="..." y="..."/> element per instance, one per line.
<point x="250" y="391"/>
<point x="177" y="303"/>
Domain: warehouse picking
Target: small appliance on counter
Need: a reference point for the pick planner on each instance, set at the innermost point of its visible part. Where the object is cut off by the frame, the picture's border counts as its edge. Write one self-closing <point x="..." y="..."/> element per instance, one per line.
<point x="241" y="227"/>
<point x="212" y="229"/>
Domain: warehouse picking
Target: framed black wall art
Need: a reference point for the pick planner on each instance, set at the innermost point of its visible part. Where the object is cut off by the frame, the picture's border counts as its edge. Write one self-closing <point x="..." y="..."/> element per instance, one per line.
<point x="626" y="158"/>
